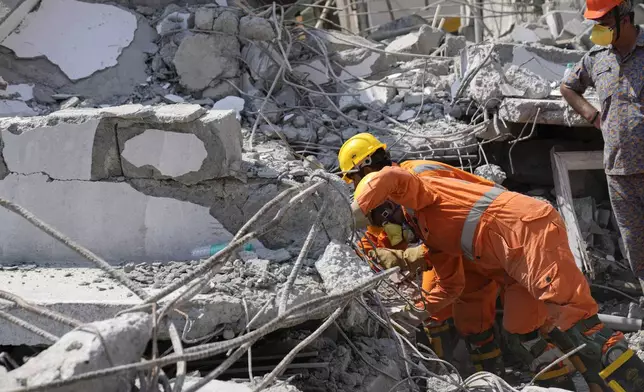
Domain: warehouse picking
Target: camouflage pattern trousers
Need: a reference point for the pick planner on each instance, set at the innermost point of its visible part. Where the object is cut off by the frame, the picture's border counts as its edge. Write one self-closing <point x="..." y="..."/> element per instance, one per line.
<point x="627" y="198"/>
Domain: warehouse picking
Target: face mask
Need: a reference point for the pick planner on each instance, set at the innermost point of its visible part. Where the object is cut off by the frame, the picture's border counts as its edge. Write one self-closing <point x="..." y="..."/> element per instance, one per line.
<point x="601" y="35"/>
<point x="394" y="233"/>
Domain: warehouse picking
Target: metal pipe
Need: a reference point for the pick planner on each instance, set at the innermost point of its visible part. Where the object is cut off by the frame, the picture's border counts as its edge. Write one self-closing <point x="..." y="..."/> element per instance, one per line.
<point x="478" y="21"/>
<point x="623" y="324"/>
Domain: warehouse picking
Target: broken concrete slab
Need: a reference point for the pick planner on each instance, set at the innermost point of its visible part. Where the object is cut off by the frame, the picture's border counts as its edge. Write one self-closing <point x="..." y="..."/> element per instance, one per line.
<point x="361" y="62"/>
<point x="222" y="89"/>
<point x="110" y="86"/>
<point x="12" y="13"/>
<point x="79" y="46"/>
<point x="263" y="62"/>
<point x="553" y="112"/>
<point x="340" y="268"/>
<point x="173" y="22"/>
<point x="203" y="58"/>
<point x="112" y="219"/>
<point x="369" y="95"/>
<point x="454" y="44"/>
<point x="532" y="33"/>
<point x="336" y="41"/>
<point x="402" y="23"/>
<point x="315" y="71"/>
<point x="491" y="172"/>
<point x="532" y="85"/>
<point x="233" y="103"/>
<point x="63" y="152"/>
<point x="218" y="132"/>
<point x="21" y="92"/>
<point x="205" y="17"/>
<point x="423" y="42"/>
<point x="91" y="347"/>
<point x="256" y="28"/>
<point x="13" y="108"/>
<point x="88" y="294"/>
<point x="227" y="22"/>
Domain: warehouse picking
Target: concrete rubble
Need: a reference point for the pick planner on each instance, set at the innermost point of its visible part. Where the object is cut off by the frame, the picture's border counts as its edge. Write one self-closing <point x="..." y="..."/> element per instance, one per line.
<point x="151" y="131"/>
<point x="91" y="347"/>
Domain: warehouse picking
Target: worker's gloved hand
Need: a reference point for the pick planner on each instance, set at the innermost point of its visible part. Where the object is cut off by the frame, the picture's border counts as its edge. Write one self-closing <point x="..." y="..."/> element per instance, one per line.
<point x="388" y="258"/>
<point x="411" y="259"/>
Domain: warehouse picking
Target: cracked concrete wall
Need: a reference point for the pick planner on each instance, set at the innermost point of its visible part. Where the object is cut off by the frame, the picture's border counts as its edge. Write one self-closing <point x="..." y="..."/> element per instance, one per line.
<point x="68" y="168"/>
<point x="117" y="83"/>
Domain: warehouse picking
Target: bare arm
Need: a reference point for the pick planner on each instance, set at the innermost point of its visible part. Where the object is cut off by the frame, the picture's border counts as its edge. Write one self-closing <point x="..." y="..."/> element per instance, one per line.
<point x="580" y="104"/>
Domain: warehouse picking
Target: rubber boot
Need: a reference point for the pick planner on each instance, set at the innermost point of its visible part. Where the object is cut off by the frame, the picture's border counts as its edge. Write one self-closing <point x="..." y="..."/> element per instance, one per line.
<point x="441" y="339"/>
<point x="606" y="355"/>
<point x="485" y="352"/>
<point x="566" y="345"/>
<point x="536" y="353"/>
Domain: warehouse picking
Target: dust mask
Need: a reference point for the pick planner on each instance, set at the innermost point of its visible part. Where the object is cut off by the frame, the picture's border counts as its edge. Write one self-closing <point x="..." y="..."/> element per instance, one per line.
<point x="601" y="35"/>
<point x="394" y="233"/>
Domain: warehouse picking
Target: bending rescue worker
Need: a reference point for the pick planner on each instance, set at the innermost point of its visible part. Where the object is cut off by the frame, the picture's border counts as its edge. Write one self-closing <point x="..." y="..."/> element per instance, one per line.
<point x="487" y="236"/>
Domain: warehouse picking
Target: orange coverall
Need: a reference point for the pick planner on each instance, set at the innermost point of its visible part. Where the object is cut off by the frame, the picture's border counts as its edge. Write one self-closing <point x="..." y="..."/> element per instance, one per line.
<point x="509" y="238"/>
<point x="377" y="236"/>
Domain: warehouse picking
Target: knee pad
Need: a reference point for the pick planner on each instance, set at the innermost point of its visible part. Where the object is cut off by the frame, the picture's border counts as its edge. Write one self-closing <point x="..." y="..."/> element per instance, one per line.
<point x="485" y="352"/>
<point x="441" y="339"/>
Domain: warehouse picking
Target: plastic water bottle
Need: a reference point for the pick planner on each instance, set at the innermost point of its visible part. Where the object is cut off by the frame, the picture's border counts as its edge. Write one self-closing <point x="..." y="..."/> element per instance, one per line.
<point x="207" y="251"/>
<point x="568" y="70"/>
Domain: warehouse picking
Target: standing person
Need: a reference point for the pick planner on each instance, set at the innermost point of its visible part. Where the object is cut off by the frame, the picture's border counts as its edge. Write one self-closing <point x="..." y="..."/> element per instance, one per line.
<point x="513" y="235"/>
<point x="615" y="67"/>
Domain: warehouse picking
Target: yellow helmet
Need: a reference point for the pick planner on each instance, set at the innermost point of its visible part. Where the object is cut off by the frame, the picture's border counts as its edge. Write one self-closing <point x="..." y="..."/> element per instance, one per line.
<point x="355" y="150"/>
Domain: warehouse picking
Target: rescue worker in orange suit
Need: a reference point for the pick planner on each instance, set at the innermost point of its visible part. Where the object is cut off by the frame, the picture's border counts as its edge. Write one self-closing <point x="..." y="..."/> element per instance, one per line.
<point x="474" y="310"/>
<point x="510" y="237"/>
<point x="439" y="326"/>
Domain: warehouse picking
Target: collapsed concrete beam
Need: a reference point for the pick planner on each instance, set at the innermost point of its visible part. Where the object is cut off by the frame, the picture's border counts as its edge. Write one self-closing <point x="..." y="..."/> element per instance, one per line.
<point x="81" y="144"/>
<point x="94" y="346"/>
<point x="553" y="111"/>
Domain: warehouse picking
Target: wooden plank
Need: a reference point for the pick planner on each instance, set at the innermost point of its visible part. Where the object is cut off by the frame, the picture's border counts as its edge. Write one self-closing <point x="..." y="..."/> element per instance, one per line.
<point x="562" y="163"/>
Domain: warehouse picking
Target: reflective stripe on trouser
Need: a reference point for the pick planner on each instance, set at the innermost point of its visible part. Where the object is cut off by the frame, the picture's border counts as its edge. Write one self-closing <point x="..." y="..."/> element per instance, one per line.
<point x="474" y="218"/>
<point x="485" y="352"/>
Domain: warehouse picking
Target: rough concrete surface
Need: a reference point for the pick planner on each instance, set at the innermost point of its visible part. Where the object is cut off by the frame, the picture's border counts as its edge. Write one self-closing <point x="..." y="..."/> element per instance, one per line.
<point x="93" y="346"/>
<point x="340" y="268"/>
<point x="368" y="95"/>
<point x="227" y="22"/>
<point x="256" y="28"/>
<point x="203" y="58"/>
<point x="419" y="42"/>
<point x="80" y="46"/>
<point x="553" y="111"/>
<point x="532" y="85"/>
<point x="218" y="130"/>
<point x="361" y="62"/>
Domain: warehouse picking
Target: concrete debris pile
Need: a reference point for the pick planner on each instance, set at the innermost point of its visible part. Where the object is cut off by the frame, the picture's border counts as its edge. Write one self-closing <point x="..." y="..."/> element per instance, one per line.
<point x="600" y="233"/>
<point x="147" y="133"/>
